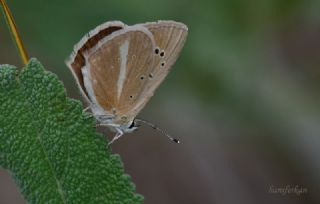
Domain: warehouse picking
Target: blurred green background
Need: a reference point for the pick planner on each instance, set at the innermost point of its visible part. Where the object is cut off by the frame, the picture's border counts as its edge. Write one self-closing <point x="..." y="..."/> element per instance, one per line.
<point x="243" y="97"/>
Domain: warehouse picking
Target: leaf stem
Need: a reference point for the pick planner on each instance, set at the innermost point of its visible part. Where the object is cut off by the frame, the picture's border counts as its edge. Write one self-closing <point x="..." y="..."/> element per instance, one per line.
<point x="14" y="33"/>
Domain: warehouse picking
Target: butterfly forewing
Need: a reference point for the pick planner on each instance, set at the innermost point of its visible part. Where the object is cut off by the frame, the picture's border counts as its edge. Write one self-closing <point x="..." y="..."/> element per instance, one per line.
<point x="76" y="60"/>
<point x="115" y="69"/>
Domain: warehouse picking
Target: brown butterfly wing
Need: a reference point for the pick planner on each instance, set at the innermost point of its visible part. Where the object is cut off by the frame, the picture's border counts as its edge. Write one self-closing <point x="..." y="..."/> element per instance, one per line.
<point x="115" y="65"/>
<point x="76" y="60"/>
<point x="169" y="37"/>
<point x="145" y="64"/>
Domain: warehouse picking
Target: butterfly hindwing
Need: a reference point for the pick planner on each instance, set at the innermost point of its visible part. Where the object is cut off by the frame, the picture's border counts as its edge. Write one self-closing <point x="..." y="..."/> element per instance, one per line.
<point x="169" y="37"/>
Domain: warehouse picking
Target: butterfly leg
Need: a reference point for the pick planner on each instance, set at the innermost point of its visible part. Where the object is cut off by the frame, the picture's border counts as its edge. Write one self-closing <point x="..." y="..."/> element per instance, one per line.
<point x="86" y="109"/>
<point x="117" y="136"/>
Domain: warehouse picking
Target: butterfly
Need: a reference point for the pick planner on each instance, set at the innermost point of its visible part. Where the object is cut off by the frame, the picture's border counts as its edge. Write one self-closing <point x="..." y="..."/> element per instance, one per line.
<point x="118" y="68"/>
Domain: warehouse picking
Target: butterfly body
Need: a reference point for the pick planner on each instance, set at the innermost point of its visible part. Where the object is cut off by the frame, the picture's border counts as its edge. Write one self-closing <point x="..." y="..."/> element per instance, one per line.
<point x="119" y="67"/>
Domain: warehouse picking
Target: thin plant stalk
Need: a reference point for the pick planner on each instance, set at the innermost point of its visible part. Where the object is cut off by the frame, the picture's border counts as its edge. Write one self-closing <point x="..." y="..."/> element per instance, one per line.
<point x="14" y="33"/>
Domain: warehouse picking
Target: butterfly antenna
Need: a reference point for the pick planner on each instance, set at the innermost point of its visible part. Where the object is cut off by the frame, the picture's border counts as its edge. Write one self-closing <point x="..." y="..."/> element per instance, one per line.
<point x="158" y="129"/>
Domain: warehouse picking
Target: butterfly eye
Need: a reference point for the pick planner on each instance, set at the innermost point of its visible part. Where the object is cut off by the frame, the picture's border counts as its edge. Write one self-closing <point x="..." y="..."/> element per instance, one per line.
<point x="131" y="96"/>
<point x="142" y="77"/>
<point x="132" y="125"/>
<point x="150" y="75"/>
<point x="162" y="53"/>
<point x="162" y="64"/>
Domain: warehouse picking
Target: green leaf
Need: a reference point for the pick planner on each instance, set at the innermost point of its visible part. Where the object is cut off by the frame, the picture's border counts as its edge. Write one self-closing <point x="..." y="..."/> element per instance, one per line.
<point x="49" y="145"/>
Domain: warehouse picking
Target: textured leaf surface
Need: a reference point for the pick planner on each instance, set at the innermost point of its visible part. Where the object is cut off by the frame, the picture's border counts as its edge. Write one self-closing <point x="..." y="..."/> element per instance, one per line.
<point x="49" y="145"/>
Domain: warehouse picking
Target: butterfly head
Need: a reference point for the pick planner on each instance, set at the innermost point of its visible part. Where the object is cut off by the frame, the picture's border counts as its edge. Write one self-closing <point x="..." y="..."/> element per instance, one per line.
<point x="128" y="126"/>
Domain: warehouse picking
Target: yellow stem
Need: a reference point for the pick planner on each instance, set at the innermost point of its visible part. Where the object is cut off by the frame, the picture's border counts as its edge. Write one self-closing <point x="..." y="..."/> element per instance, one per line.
<point x="14" y="32"/>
